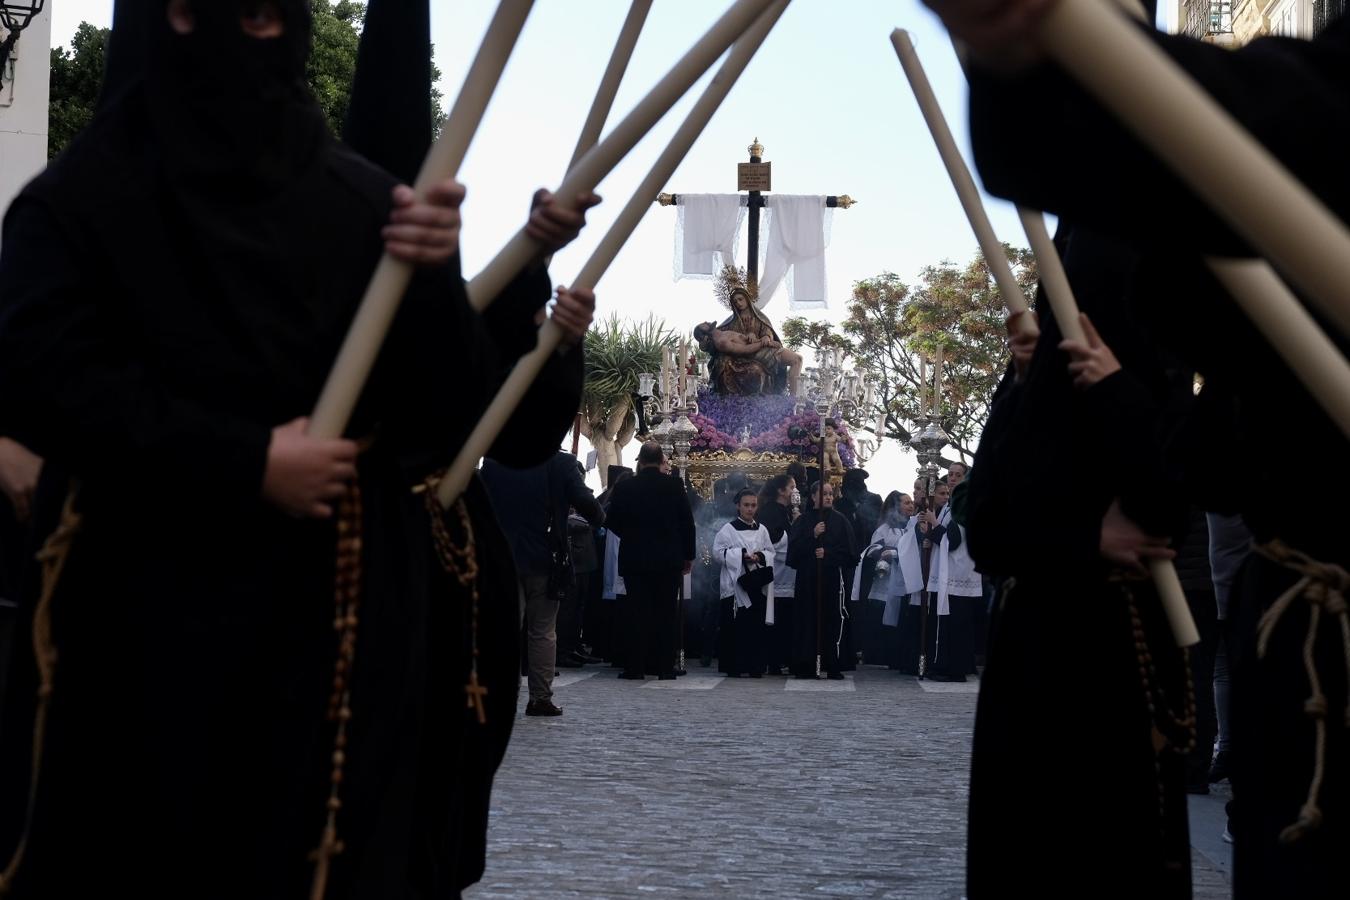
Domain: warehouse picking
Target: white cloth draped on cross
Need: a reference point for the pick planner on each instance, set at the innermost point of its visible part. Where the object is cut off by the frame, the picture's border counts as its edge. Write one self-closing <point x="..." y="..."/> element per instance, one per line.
<point x="798" y="229"/>
<point x="708" y="232"/>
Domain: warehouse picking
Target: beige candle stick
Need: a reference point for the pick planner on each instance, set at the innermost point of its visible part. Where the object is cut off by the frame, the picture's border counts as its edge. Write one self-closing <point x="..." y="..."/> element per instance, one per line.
<point x="550" y="335"/>
<point x="521" y="250"/>
<point x="923" y="386"/>
<point x="684" y="367"/>
<point x="1206" y="148"/>
<point x="937" y="384"/>
<point x="1173" y="598"/>
<point x="1291" y="330"/>
<point x="390" y="281"/>
<point x="959" y="172"/>
<point x="1065" y="308"/>
<point x="609" y="82"/>
<point x="1053" y="278"/>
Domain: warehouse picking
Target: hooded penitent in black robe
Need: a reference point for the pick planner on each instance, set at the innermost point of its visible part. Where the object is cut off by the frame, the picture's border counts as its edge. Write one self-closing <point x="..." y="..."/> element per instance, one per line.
<point x="388" y="122"/>
<point x="1292" y="96"/>
<point x="830" y="594"/>
<point x="171" y="289"/>
<point x="1063" y="624"/>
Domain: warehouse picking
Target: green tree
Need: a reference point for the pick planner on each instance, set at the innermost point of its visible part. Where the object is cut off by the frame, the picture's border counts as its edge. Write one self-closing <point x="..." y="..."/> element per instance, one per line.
<point x="76" y="79"/>
<point x="77" y="73"/>
<point x="616" y="352"/>
<point x="332" y="59"/>
<point x="892" y="334"/>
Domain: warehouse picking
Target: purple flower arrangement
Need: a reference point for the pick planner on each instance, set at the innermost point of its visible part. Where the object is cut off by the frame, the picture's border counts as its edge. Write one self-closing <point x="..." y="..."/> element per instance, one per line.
<point x="709" y="438"/>
<point x="734" y="413"/>
<point x="773" y="426"/>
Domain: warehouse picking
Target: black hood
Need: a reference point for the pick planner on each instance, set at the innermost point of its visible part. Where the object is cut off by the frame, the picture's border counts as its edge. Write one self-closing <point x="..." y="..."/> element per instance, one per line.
<point x="232" y="112"/>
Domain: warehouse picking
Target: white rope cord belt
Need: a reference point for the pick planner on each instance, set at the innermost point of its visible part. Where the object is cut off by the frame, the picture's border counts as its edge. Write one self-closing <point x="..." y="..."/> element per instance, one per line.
<point x="1324" y="586"/>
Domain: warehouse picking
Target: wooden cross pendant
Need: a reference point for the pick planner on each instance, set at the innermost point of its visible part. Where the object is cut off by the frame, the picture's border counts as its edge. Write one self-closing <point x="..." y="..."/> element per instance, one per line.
<point x="1159" y="740"/>
<point x="475" y="693"/>
<point x="329" y="847"/>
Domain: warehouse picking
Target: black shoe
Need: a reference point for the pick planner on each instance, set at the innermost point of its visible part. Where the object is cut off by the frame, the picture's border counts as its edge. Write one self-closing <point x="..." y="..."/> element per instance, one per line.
<point x="806" y="677"/>
<point x="1221" y="768"/>
<point x="836" y="676"/>
<point x="954" y="679"/>
<point x="542" y="708"/>
<point x="669" y="676"/>
<point x="681" y="671"/>
<point x="632" y="676"/>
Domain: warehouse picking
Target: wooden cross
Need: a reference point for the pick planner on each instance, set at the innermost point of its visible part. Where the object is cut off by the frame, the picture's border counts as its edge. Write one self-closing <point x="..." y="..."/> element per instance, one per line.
<point x="1159" y="740"/>
<point x="475" y="693"/>
<point x="754" y="177"/>
<point x="329" y="847"/>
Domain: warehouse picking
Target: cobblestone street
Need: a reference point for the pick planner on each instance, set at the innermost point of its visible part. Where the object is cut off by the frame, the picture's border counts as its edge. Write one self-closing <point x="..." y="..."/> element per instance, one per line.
<point x="714" y="787"/>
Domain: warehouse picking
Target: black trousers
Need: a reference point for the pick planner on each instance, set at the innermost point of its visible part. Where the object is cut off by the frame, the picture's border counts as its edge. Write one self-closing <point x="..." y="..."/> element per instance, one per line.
<point x="911" y="620"/>
<point x="749" y="637"/>
<point x="1205" y="610"/>
<point x="651" y="629"/>
<point x="955" y="650"/>
<point x="570" y="615"/>
<point x="710" y="625"/>
<point x="780" y="633"/>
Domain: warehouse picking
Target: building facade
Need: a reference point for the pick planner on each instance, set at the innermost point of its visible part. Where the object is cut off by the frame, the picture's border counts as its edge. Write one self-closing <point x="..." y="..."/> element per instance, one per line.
<point x="1252" y="19"/>
<point x="24" y="90"/>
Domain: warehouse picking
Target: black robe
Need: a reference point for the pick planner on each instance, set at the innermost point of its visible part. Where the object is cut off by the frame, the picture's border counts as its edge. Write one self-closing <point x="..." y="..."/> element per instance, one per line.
<point x="1061" y="622"/>
<point x="388" y="122"/>
<point x="1292" y="95"/>
<point x="821" y="584"/>
<point x="193" y="621"/>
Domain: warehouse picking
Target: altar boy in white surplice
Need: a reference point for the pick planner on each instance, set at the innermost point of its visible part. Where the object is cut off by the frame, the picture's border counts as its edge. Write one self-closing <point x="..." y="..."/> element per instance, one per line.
<point x="745" y="551"/>
<point x="958" y="589"/>
<point x="897" y="574"/>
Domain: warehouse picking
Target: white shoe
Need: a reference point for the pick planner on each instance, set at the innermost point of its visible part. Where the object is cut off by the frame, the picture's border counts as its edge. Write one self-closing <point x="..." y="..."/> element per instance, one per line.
<point x="1227" y="836"/>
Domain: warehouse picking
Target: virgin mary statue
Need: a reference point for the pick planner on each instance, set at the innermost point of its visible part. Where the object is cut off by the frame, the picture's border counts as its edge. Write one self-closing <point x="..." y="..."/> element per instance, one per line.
<point x="745" y="355"/>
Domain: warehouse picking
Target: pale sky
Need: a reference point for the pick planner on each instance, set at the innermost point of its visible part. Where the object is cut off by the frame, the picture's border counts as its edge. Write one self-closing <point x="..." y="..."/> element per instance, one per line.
<point x="825" y="95"/>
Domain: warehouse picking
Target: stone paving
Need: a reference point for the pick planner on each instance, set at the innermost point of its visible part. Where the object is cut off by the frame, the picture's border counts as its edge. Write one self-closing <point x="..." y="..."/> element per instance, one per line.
<point x="744" y="788"/>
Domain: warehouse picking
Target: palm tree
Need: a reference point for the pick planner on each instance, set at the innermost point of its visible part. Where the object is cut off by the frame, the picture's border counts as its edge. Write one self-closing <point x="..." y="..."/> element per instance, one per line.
<point x="615" y="353"/>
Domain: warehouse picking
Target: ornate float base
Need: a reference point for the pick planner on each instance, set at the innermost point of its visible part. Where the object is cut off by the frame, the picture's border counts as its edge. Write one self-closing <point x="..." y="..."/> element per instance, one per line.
<point x="706" y="469"/>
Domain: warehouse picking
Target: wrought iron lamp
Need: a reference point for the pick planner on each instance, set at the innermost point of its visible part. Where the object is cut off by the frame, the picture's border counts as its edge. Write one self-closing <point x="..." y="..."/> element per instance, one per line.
<point x="15" y="16"/>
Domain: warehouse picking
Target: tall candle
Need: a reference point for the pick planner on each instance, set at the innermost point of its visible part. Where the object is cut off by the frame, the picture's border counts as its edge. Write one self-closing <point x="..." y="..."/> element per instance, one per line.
<point x="923" y="386"/>
<point x="366" y="334"/>
<point x="994" y="256"/>
<point x="609" y="82"/>
<point x="937" y="384"/>
<point x="684" y="368"/>
<point x="1206" y="148"/>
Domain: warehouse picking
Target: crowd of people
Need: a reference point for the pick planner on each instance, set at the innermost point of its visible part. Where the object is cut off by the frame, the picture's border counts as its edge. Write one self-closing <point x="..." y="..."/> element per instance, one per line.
<point x="787" y="577"/>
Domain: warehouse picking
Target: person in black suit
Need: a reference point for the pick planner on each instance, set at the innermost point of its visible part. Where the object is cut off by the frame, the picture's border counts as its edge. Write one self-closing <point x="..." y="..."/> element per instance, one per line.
<point x="651" y="516"/>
